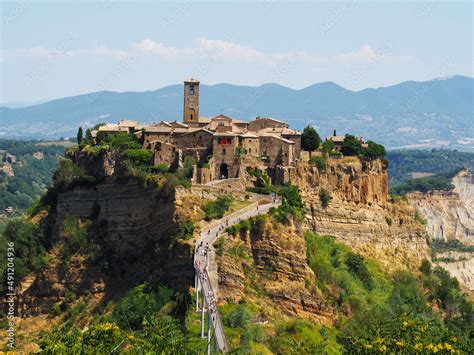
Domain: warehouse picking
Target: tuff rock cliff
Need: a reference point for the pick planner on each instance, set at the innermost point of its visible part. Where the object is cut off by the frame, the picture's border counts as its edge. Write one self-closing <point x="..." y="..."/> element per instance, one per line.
<point x="131" y="227"/>
<point x="360" y="213"/>
<point x="450" y="216"/>
<point x="269" y="267"/>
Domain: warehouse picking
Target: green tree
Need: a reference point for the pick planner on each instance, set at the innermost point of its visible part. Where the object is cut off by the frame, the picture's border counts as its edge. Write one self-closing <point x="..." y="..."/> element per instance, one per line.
<point x="351" y="146"/>
<point x="310" y="139"/>
<point x="89" y="139"/>
<point x="374" y="151"/>
<point x="80" y="135"/>
<point x="324" y="197"/>
<point x="328" y="145"/>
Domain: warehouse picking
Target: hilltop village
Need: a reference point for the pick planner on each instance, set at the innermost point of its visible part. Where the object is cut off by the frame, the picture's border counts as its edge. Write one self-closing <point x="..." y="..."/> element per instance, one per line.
<point x="216" y="143"/>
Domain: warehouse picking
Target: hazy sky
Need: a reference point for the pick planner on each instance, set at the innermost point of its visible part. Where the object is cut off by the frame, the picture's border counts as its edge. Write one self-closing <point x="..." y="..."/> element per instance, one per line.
<point x="57" y="49"/>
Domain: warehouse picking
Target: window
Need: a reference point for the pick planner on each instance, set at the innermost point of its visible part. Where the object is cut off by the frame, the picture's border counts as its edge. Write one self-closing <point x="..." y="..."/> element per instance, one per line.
<point x="223" y="151"/>
<point x="191" y="116"/>
<point x="191" y="90"/>
<point x="250" y="150"/>
<point x="224" y="140"/>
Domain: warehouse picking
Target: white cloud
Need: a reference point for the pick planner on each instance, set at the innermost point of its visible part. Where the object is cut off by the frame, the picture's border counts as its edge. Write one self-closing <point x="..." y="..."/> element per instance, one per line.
<point x="218" y="50"/>
<point x="365" y="54"/>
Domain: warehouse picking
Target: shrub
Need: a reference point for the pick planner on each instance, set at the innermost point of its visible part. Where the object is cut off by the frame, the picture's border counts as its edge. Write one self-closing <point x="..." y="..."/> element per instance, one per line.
<point x="219" y="246"/>
<point x="328" y="145"/>
<point x="425" y="267"/>
<point x="186" y="230"/>
<point x="216" y="209"/>
<point x="139" y="157"/>
<point x="239" y="317"/>
<point x="240" y="151"/>
<point x="239" y="251"/>
<point x="68" y="175"/>
<point x="406" y="295"/>
<point x="292" y="204"/>
<point x="355" y="263"/>
<point x="320" y="162"/>
<point x="324" y="197"/>
<point x="388" y="220"/>
<point x="139" y="302"/>
<point x="161" y="168"/>
<point x="419" y="218"/>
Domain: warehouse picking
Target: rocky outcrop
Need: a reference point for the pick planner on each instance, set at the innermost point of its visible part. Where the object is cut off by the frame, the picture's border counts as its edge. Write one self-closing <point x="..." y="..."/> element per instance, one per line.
<point x="450" y="216"/>
<point x="359" y="213"/>
<point x="276" y="267"/>
<point x="133" y="226"/>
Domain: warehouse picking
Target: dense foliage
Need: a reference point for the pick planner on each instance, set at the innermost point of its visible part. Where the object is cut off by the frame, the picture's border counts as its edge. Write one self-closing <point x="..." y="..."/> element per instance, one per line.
<point x="440" y="182"/>
<point x="29" y="250"/>
<point x="320" y="162"/>
<point x="352" y="146"/>
<point x="390" y="313"/>
<point x="32" y="174"/>
<point x="291" y="206"/>
<point x="216" y="209"/>
<point x="310" y="139"/>
<point x="405" y="162"/>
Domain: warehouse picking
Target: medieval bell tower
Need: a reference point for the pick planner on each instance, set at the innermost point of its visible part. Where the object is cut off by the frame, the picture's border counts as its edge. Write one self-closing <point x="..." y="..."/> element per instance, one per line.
<point x="191" y="101"/>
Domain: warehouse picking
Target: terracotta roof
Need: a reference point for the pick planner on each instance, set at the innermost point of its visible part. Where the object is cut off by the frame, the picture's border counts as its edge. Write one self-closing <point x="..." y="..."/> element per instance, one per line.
<point x="158" y="129"/>
<point x="248" y="135"/>
<point x="282" y="139"/>
<point x="127" y="123"/>
<point x="224" y="134"/>
<point x="112" y="127"/>
<point x="280" y="130"/>
<point x="336" y="139"/>
<point x="179" y="124"/>
<point x="269" y="119"/>
<point x="221" y="116"/>
<point x="181" y="130"/>
<point x="194" y="130"/>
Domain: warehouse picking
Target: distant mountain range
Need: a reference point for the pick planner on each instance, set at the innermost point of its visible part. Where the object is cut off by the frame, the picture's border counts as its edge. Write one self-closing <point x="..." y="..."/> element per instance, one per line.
<point x="435" y="113"/>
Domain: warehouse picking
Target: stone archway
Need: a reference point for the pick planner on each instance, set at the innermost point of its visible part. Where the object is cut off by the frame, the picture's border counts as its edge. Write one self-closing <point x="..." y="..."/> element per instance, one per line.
<point x="224" y="171"/>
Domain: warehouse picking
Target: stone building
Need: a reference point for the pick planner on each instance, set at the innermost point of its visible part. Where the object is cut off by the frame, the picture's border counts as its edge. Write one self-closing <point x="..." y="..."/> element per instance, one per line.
<point x="220" y="145"/>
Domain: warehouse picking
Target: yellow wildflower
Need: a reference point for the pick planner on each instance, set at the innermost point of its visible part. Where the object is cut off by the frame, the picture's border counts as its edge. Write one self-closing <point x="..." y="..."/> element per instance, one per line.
<point x="418" y="346"/>
<point x="382" y="348"/>
<point x="400" y="344"/>
<point x="405" y="324"/>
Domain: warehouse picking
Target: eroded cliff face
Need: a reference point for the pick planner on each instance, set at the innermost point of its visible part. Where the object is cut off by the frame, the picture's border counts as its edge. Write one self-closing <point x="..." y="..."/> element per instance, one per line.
<point x="270" y="268"/>
<point x="450" y="216"/>
<point x="132" y="227"/>
<point x="359" y="213"/>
